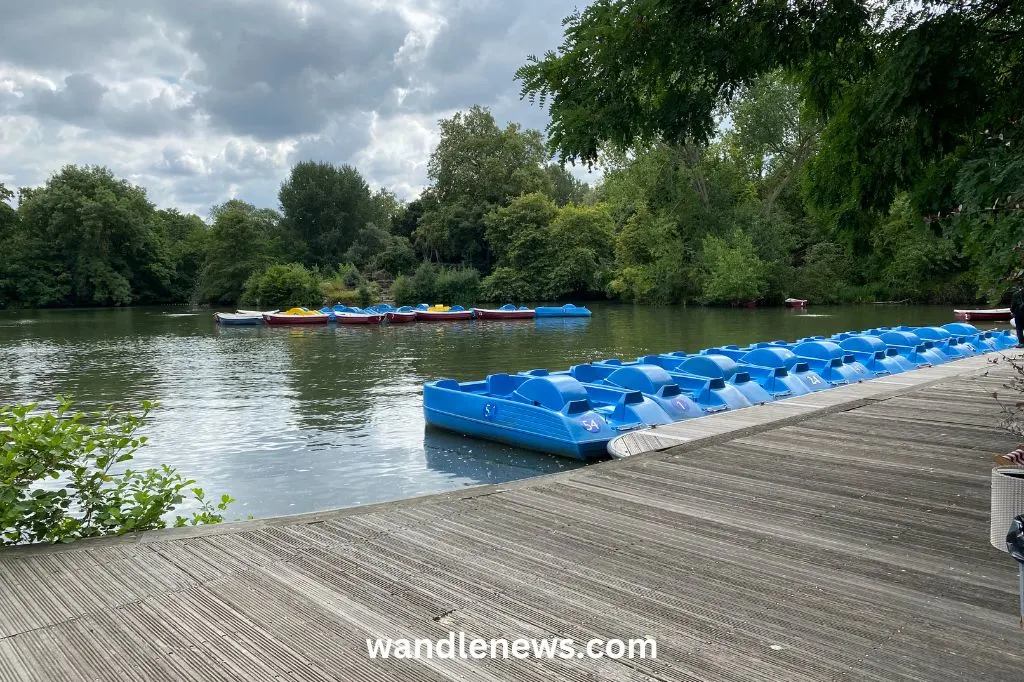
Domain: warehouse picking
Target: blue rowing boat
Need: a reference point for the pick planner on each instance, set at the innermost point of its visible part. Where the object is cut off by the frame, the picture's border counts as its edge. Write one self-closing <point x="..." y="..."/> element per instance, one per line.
<point x="232" y="319"/>
<point x="567" y="310"/>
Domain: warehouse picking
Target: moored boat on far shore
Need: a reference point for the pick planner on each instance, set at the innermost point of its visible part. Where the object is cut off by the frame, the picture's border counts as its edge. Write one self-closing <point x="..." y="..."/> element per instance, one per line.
<point x="442" y="313"/>
<point x="297" y="316"/>
<point x="403" y="314"/>
<point x="365" y="317"/>
<point x="986" y="314"/>
<point x="567" y="310"/>
<point x="505" y="312"/>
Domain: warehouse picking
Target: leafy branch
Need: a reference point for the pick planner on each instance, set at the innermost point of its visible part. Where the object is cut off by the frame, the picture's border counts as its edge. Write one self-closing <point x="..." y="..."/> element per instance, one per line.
<point x="59" y="480"/>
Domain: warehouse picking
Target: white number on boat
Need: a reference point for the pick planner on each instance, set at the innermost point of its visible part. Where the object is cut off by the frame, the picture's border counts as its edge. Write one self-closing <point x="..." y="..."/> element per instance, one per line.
<point x="591" y="425"/>
<point x="490" y="410"/>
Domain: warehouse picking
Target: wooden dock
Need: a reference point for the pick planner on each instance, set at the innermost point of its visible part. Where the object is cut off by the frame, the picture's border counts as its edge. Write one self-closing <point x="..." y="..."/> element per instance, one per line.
<point x="842" y="536"/>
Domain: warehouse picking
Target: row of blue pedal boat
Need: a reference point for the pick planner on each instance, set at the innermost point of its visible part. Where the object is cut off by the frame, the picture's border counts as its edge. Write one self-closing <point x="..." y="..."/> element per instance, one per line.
<point x="576" y="412"/>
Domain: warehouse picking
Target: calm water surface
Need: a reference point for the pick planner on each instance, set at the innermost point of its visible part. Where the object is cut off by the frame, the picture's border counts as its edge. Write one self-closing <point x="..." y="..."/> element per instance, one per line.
<point x="291" y="420"/>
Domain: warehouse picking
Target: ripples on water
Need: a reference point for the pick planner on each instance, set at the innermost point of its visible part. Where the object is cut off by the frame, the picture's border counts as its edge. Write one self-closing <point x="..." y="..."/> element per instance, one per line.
<point x="291" y="420"/>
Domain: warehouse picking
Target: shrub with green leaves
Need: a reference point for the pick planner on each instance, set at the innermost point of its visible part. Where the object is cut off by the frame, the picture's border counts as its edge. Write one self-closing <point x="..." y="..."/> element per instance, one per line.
<point x="404" y="291"/>
<point x="733" y="272"/>
<point x="283" y="286"/>
<point x="457" y="286"/>
<point x="65" y="475"/>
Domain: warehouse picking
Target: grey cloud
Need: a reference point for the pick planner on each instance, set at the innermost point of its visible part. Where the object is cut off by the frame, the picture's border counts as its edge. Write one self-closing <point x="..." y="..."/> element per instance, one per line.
<point x="256" y="69"/>
<point x="336" y="143"/>
<point x="78" y="100"/>
<point x="266" y="73"/>
<point x="474" y="58"/>
<point x="81" y="101"/>
<point x="56" y="34"/>
<point x="173" y="162"/>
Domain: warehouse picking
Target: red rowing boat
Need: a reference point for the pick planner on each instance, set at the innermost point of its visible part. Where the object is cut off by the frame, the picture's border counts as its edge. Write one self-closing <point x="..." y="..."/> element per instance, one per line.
<point x="397" y="316"/>
<point x="990" y="314"/>
<point x="294" y="318"/>
<point x="443" y="315"/>
<point x="796" y="302"/>
<point x="505" y="312"/>
<point x="359" y="318"/>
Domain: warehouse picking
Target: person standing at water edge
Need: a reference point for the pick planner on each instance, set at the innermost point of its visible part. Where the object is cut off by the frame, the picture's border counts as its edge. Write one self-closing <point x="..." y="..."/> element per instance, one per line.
<point x="1017" y="306"/>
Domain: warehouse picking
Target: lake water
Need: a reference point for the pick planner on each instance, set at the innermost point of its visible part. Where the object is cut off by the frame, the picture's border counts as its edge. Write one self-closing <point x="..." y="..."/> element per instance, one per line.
<point x="298" y="419"/>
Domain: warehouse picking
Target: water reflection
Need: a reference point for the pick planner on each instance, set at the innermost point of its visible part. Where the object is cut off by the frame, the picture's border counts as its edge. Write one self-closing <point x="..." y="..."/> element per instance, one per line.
<point x="297" y="419"/>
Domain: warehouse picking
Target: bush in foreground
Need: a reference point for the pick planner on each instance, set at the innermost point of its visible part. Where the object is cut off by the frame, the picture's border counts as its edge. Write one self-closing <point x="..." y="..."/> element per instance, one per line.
<point x="61" y="478"/>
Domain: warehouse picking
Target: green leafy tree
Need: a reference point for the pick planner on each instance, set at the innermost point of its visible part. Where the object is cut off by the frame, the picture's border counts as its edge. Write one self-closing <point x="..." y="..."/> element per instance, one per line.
<point x="733" y="272"/>
<point x="915" y="260"/>
<point x="87" y="238"/>
<point x="396" y="258"/>
<point x="582" y="239"/>
<point x="774" y="133"/>
<point x="476" y="166"/>
<point x="636" y="71"/>
<point x="370" y="241"/>
<point x="241" y="242"/>
<point x="507" y="285"/>
<point x="186" y="239"/>
<point x="406" y="219"/>
<point x="457" y="286"/>
<point x="826" y="275"/>
<point x="8" y="230"/>
<point x="916" y="98"/>
<point x="324" y="207"/>
<point x="404" y="291"/>
<point x="518" y="234"/>
<point x="651" y="262"/>
<point x="282" y="287"/>
<point x="374" y="250"/>
<point x="66" y="475"/>
<point x="424" y="282"/>
<point x="565" y="188"/>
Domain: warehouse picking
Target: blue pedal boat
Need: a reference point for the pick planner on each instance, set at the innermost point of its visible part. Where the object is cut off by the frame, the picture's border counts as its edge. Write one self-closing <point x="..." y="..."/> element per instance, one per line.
<point x="983" y="341"/>
<point x="555" y="414"/>
<point x="874" y="354"/>
<point x="760" y="362"/>
<point x="828" y="359"/>
<point x="713" y="395"/>
<point x="567" y="310"/>
<point x="911" y="346"/>
<point x="1004" y="338"/>
<point x="720" y="367"/>
<point x="951" y="345"/>
<point x="652" y="381"/>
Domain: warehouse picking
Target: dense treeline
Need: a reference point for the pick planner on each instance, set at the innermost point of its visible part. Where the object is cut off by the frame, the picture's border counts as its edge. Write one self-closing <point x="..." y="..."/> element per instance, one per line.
<point x="879" y="141"/>
<point x="856" y="151"/>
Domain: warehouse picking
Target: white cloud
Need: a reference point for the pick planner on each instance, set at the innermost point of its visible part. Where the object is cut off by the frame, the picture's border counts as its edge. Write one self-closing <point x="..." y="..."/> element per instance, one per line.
<point x="199" y="102"/>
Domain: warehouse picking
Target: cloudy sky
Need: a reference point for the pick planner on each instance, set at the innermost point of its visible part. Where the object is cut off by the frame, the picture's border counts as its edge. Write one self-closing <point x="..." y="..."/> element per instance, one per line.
<point x="202" y="101"/>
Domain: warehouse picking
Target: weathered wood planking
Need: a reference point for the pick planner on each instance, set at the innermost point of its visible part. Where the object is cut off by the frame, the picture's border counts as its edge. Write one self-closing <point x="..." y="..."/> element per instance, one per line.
<point x="843" y="538"/>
